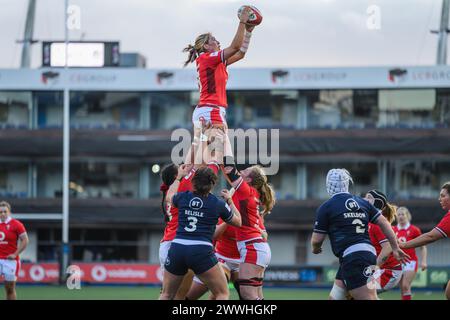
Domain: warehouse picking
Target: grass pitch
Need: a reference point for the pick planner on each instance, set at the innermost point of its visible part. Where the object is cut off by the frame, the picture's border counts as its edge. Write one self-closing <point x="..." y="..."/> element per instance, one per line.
<point x="86" y="292"/>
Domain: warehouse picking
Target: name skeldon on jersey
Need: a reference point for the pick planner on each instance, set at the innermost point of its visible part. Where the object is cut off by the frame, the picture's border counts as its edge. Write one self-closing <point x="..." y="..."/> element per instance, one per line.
<point x="354" y="215"/>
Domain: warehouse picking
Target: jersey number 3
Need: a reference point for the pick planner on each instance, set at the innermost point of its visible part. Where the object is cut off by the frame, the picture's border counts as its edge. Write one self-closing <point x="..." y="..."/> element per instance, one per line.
<point x="192" y="224"/>
<point x="359" y="226"/>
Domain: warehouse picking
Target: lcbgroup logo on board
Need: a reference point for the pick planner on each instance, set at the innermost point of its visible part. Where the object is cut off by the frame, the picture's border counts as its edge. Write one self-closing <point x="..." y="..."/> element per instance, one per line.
<point x="165" y="78"/>
<point x="400" y="75"/>
<point x="87" y="78"/>
<point x="397" y="75"/>
<point x="49" y="77"/>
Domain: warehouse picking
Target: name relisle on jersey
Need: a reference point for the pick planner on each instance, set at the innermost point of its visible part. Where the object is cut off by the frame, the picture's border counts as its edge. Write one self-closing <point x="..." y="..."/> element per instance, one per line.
<point x="194" y="213"/>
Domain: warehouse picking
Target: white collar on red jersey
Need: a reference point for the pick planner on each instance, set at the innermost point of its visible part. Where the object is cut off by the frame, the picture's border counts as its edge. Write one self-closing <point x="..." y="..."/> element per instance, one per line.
<point x="405" y="227"/>
<point x="8" y="220"/>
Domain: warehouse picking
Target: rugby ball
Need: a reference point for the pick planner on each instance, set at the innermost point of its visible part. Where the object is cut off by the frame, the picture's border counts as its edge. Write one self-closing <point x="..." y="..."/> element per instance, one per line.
<point x="255" y="17"/>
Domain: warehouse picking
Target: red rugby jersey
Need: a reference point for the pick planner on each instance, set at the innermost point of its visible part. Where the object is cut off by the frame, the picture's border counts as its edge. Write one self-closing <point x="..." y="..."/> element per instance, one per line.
<point x="261" y="224"/>
<point x="10" y="230"/>
<point x="377" y="237"/>
<point x="444" y="226"/>
<point x="171" y="226"/>
<point x="170" y="230"/>
<point x="246" y="200"/>
<point x="405" y="234"/>
<point x="226" y="245"/>
<point x="212" y="78"/>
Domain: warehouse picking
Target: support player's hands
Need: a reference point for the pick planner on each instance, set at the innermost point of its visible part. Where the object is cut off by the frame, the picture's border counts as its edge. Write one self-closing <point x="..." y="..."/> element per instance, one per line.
<point x="215" y="133"/>
<point x="168" y="217"/>
<point x="183" y="170"/>
<point x="226" y="195"/>
<point x="11" y="257"/>
<point x="401" y="256"/>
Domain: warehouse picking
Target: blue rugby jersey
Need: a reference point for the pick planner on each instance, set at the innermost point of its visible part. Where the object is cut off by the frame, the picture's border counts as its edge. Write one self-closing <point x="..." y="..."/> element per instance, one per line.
<point x="345" y="218"/>
<point x="198" y="216"/>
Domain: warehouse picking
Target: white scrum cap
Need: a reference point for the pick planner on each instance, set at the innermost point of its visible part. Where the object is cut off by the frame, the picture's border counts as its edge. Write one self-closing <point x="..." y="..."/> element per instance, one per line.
<point x="338" y="180"/>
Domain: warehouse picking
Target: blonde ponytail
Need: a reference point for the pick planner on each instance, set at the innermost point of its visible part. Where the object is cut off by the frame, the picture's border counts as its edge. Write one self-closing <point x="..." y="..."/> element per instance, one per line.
<point x="390" y="212"/>
<point x="192" y="54"/>
<point x="195" y="50"/>
<point x="265" y="190"/>
<point x="267" y="198"/>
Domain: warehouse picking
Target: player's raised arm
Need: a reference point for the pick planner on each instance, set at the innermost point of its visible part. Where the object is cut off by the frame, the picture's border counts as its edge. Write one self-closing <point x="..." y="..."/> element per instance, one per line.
<point x="236" y="220"/>
<point x="183" y="170"/>
<point x="238" y="37"/>
<point x="231" y="172"/>
<point x="243" y="49"/>
<point x="390" y="235"/>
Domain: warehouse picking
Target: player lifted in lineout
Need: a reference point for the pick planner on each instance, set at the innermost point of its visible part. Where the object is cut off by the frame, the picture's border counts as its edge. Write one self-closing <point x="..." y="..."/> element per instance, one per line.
<point x="211" y="62"/>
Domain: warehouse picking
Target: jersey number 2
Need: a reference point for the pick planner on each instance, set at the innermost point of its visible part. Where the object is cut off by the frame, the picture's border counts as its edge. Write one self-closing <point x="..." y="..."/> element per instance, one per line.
<point x="360" y="226"/>
<point x="192" y="224"/>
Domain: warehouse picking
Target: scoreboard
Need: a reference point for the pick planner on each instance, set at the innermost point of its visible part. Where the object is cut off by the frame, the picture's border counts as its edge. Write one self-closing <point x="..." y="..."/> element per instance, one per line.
<point x="88" y="54"/>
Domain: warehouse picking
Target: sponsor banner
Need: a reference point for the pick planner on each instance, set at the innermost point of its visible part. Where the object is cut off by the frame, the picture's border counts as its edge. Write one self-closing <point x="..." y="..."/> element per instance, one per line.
<point x="95" y="273"/>
<point x="433" y="277"/>
<point x="329" y="274"/>
<point x="438" y="276"/>
<point x="107" y="273"/>
<point x="420" y="281"/>
<point x="38" y="273"/>
<point x="293" y="275"/>
<point x="129" y="79"/>
<point x="120" y="273"/>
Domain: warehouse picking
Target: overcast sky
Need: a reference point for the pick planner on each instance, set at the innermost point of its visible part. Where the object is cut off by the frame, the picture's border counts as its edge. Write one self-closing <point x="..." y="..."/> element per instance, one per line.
<point x="294" y="33"/>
